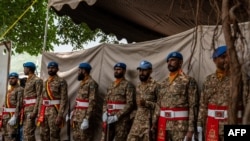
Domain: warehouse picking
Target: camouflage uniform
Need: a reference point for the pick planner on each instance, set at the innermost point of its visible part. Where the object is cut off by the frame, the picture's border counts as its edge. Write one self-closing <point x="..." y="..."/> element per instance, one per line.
<point x="124" y="93"/>
<point x="87" y="92"/>
<point x="144" y="118"/>
<point x="215" y="92"/>
<point x="13" y="100"/>
<point x="178" y="95"/>
<point x="32" y="91"/>
<point x="246" y="99"/>
<point x="58" y="88"/>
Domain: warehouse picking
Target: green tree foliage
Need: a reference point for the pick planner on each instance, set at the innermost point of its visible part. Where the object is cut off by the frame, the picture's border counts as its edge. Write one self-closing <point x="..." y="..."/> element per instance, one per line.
<point x="28" y="34"/>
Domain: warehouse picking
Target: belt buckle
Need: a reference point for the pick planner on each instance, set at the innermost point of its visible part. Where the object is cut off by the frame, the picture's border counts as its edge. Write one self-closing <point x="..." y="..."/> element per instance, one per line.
<point x="110" y="106"/>
<point x="219" y="114"/>
<point x="77" y="104"/>
<point x="46" y="102"/>
<point x="169" y="114"/>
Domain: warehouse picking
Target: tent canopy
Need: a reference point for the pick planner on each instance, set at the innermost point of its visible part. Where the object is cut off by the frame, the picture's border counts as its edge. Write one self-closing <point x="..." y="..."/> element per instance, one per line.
<point x="139" y="20"/>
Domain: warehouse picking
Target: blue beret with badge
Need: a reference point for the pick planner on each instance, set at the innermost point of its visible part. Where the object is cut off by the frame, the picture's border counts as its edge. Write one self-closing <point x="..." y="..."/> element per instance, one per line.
<point x="53" y="64"/>
<point x="174" y="55"/>
<point x="29" y="65"/>
<point x="219" y="51"/>
<point x="145" y="65"/>
<point x="85" y="66"/>
<point x="121" y="65"/>
<point x="13" y="74"/>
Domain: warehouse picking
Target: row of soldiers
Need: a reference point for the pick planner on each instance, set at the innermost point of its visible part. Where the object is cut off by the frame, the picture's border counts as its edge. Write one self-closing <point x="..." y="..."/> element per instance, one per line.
<point x="172" y="110"/>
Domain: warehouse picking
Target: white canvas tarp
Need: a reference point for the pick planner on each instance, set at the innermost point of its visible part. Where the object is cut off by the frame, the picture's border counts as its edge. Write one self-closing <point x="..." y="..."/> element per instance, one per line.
<point x="4" y="65"/>
<point x="195" y="47"/>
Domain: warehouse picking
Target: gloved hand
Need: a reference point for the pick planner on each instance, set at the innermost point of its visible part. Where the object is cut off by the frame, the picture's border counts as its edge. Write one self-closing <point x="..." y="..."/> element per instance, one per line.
<point x="12" y="120"/>
<point x="104" y="117"/>
<point x="199" y="130"/>
<point x="112" y="119"/>
<point x="68" y="117"/>
<point x="85" y="124"/>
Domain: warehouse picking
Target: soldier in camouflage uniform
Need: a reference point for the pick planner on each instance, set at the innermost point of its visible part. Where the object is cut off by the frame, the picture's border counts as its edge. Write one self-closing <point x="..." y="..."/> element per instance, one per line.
<point x="118" y="105"/>
<point x="11" y="109"/>
<point x="85" y="102"/>
<point x="32" y="93"/>
<point x="52" y="105"/>
<point x="214" y="98"/>
<point x="146" y="97"/>
<point x="178" y="98"/>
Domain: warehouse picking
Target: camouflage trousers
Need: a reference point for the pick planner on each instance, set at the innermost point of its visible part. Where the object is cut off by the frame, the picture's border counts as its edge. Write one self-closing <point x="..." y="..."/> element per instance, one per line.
<point x="140" y="131"/>
<point x="175" y="135"/>
<point x="117" y="131"/>
<point x="142" y="137"/>
<point x="29" y="127"/>
<point x="9" y="132"/>
<point x="81" y="135"/>
<point x="49" y="131"/>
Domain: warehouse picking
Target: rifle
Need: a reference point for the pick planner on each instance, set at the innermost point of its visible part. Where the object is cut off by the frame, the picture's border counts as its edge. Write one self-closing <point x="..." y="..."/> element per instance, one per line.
<point x="17" y="135"/>
<point x="68" y="124"/>
<point x="196" y="110"/>
<point x="150" y="126"/>
<point x="107" y="128"/>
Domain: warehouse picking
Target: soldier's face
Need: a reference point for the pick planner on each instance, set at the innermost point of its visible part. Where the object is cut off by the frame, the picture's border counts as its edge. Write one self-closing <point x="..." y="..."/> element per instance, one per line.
<point x="52" y="71"/>
<point x="222" y="62"/>
<point x="80" y="74"/>
<point x="118" y="72"/>
<point x="174" y="64"/>
<point x="144" y="74"/>
<point x="26" y="71"/>
<point x="13" y="81"/>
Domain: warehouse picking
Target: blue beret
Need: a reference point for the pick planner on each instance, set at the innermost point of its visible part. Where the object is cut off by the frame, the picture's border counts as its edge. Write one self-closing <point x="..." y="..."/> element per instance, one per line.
<point x="174" y="55"/>
<point x="145" y="65"/>
<point x="29" y="65"/>
<point x="219" y="51"/>
<point x="52" y="64"/>
<point x="13" y="74"/>
<point x="85" y="66"/>
<point x="121" y="65"/>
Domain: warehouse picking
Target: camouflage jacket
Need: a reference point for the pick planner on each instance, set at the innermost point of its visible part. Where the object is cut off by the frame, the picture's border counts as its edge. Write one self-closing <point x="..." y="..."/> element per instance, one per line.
<point x="246" y="99"/>
<point x="123" y="92"/>
<point x="181" y="93"/>
<point x="59" y="90"/>
<point x="214" y="92"/>
<point x="145" y="116"/>
<point x="33" y="89"/>
<point x="13" y="99"/>
<point x="87" y="91"/>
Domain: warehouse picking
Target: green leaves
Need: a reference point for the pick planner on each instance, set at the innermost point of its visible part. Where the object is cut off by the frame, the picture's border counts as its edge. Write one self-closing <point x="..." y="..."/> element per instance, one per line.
<point x="28" y="34"/>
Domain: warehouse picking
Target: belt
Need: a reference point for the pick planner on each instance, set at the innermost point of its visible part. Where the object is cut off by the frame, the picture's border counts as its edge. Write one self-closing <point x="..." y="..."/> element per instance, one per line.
<point x="50" y="102"/>
<point x="217" y="114"/>
<point x="9" y="110"/>
<point x="221" y="114"/>
<point x="174" y="113"/>
<point x="29" y="101"/>
<point x="115" y="106"/>
<point x="82" y="104"/>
